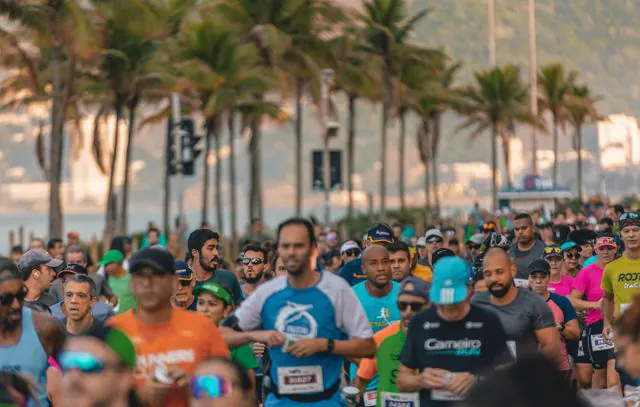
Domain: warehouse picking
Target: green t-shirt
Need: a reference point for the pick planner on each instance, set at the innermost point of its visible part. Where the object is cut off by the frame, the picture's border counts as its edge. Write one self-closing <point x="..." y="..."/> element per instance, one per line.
<point x="243" y="355"/>
<point x="622" y="278"/>
<point x="121" y="287"/>
<point x="388" y="362"/>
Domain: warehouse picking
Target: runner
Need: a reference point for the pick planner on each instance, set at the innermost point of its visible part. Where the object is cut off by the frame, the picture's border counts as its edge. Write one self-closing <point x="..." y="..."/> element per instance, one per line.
<point x="571" y="252"/>
<point x="413" y="297"/>
<point x="220" y="382"/>
<point x="525" y="248"/>
<point x="621" y="280"/>
<point x="317" y="318"/>
<point x="214" y="302"/>
<point x="349" y="251"/>
<point x="169" y="342"/>
<point x="400" y="260"/>
<point x="378" y="234"/>
<point x="38" y="270"/>
<point x="27" y="338"/>
<point x="77" y="255"/>
<point x="526" y="318"/>
<point x="119" y="280"/>
<point x="475" y="246"/>
<point x="584" y="238"/>
<point x="55" y="248"/>
<point x="587" y="296"/>
<point x="79" y="296"/>
<point x="627" y="339"/>
<point x="183" y="297"/>
<point x="98" y="368"/>
<point x="434" y="240"/>
<point x="558" y="283"/>
<point x="451" y="345"/>
<point x="203" y="247"/>
<point x="563" y="312"/>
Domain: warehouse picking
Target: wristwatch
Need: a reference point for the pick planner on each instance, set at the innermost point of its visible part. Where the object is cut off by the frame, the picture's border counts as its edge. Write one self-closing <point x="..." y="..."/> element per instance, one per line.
<point x="562" y="326"/>
<point x="330" y="345"/>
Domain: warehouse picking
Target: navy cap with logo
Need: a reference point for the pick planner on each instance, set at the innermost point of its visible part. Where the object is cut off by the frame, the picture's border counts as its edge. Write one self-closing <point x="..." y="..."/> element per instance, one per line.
<point x="73" y="269"/>
<point x="157" y="258"/>
<point x="380" y="233"/>
<point x="183" y="271"/>
<point x="441" y="253"/>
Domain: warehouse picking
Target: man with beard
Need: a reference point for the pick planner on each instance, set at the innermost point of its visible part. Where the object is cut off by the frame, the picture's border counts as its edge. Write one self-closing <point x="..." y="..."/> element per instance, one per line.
<point x="400" y="260"/>
<point x="38" y="270"/>
<point x="525" y="248"/>
<point x="526" y="318"/>
<point x="413" y="297"/>
<point x="183" y="290"/>
<point x="98" y="368"/>
<point x="203" y="247"/>
<point x="79" y="298"/>
<point x="27" y="338"/>
<point x="253" y="263"/>
<point x="449" y="346"/>
<point x="312" y="321"/>
<point x="170" y="342"/>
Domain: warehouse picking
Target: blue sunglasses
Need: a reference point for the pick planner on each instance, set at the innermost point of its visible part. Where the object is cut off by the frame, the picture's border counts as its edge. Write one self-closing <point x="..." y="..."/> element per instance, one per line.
<point x="210" y="386"/>
<point x="84" y="362"/>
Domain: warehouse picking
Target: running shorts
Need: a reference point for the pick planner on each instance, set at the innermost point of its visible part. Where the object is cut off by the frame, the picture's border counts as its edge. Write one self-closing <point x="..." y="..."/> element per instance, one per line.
<point x="600" y="352"/>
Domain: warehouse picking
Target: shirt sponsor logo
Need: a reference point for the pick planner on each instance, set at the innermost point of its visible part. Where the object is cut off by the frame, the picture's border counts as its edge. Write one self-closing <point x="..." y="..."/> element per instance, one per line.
<point x="294" y="320"/>
<point x="473" y="325"/>
<point x="147" y="364"/>
<point x="628" y="277"/>
<point x="431" y="325"/>
<point x="462" y="347"/>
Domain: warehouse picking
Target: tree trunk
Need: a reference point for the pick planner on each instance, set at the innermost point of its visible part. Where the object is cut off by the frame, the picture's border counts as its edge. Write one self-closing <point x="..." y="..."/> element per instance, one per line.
<point x="507" y="161"/>
<point x="218" y="180"/>
<point x="166" y="207"/>
<point x="423" y="149"/>
<point x="555" y="153"/>
<point x="403" y="130"/>
<point x="56" y="151"/>
<point x="124" y="209"/>
<point x="435" y="144"/>
<point x="232" y="183"/>
<point x="255" y="199"/>
<point x="110" y="218"/>
<point x="579" y="145"/>
<point x="494" y="169"/>
<point x="298" y="144"/>
<point x="383" y="148"/>
<point x="350" y="153"/>
<point x="204" y="209"/>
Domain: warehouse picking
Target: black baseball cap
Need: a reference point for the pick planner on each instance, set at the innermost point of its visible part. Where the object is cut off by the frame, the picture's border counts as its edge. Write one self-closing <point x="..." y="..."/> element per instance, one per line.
<point x="157" y="258"/>
<point x="441" y="253"/>
<point x="73" y="269"/>
<point x="539" y="266"/>
<point x="583" y="236"/>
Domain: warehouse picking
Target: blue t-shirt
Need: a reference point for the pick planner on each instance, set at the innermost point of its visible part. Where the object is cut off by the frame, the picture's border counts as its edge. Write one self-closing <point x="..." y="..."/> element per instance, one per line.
<point x="352" y="272"/>
<point x="328" y="309"/>
<point x="381" y="312"/>
<point x="565" y="306"/>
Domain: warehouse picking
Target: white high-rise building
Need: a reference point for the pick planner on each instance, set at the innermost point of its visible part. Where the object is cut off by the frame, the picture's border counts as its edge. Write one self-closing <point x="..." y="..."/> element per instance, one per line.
<point x="618" y="141"/>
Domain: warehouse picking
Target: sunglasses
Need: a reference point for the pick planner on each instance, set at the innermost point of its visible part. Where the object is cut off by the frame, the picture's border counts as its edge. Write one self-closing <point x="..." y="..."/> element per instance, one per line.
<point x="415" y="306"/>
<point x="7" y="299"/>
<point x="256" y="262"/>
<point x="473" y="246"/>
<point x="84" y="362"/>
<point x="185" y="283"/>
<point x="573" y="256"/>
<point x="434" y="240"/>
<point x="209" y="386"/>
<point x="628" y="215"/>
<point x="352" y="252"/>
<point x="552" y="250"/>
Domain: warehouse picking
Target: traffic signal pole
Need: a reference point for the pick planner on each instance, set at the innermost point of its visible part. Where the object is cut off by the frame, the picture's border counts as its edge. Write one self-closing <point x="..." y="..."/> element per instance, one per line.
<point x="178" y="157"/>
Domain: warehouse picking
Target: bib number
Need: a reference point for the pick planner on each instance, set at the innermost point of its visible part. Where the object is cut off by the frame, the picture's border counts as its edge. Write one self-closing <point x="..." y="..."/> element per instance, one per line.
<point x="300" y="379"/>
<point x="444" y="395"/>
<point x="598" y="343"/>
<point x="370" y="398"/>
<point x="399" y="399"/>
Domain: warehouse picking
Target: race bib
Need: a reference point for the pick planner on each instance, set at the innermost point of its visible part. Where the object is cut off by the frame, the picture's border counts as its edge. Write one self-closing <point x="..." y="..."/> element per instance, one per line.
<point x="370" y="398"/>
<point x="512" y="349"/>
<point x="399" y="399"/>
<point x="521" y="282"/>
<point x="444" y="395"/>
<point x="598" y="343"/>
<point x="300" y="379"/>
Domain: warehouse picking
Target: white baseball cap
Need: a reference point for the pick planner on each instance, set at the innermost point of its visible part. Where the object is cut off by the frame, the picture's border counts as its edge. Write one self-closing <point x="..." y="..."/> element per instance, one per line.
<point x="349" y="245"/>
<point x="433" y="233"/>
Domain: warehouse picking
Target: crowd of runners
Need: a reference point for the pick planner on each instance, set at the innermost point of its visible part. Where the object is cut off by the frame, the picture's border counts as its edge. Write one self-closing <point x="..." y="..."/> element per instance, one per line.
<point x="507" y="309"/>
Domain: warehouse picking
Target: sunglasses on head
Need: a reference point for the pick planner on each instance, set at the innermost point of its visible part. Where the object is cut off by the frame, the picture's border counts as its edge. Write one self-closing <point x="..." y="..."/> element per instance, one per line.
<point x="352" y="252"/>
<point x="415" y="306"/>
<point x="256" y="262"/>
<point x="84" y="362"/>
<point x="552" y="250"/>
<point x="209" y="386"/>
<point x="628" y="215"/>
<point x="7" y="299"/>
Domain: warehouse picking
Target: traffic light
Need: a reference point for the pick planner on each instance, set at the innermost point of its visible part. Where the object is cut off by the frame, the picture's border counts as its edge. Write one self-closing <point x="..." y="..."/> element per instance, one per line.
<point x="190" y="149"/>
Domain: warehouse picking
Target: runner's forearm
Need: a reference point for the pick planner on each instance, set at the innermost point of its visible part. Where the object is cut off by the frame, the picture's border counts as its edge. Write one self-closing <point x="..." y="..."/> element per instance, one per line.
<point x="409" y="380"/>
<point x="234" y="338"/>
<point x="355" y="348"/>
<point x="608" y="307"/>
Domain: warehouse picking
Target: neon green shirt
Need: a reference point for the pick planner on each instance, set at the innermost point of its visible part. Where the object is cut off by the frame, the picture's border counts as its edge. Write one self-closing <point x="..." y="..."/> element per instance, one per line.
<point x="622" y="279"/>
<point x="243" y="355"/>
<point x="121" y="287"/>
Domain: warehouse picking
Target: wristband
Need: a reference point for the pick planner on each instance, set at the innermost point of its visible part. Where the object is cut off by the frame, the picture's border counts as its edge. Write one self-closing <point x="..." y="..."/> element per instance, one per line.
<point x="330" y="345"/>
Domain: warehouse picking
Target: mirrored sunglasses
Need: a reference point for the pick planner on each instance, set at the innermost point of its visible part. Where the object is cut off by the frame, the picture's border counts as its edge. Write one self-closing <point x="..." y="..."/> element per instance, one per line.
<point x="209" y="386"/>
<point x="84" y="362"/>
<point x="256" y="262"/>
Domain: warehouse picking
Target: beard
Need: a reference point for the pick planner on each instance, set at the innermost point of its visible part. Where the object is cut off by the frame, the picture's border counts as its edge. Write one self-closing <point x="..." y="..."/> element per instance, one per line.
<point x="206" y="266"/>
<point x="501" y="291"/>
<point x="253" y="280"/>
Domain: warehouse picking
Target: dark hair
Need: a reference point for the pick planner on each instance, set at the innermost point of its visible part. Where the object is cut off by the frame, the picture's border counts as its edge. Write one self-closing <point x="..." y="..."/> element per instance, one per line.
<point x="75" y="248"/>
<point x="8" y="269"/>
<point x="51" y="244"/>
<point x="256" y="248"/>
<point x="26" y="273"/>
<point x="523" y="215"/>
<point x="117" y="243"/>
<point x="153" y="229"/>
<point x="198" y="238"/>
<point x="244" y="381"/>
<point x="79" y="278"/>
<point x="399" y="246"/>
<point x="618" y="208"/>
<point x="607" y="220"/>
<point x="255" y="220"/>
<point x="298" y="221"/>
<point x="454" y="242"/>
<point x="273" y="261"/>
<point x="17" y="249"/>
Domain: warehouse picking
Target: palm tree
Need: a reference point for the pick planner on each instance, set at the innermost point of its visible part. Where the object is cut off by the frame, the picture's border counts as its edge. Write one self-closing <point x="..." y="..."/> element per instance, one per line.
<point x="356" y="76"/>
<point x="555" y="85"/>
<point x="495" y="103"/>
<point x="387" y="28"/>
<point x="580" y="110"/>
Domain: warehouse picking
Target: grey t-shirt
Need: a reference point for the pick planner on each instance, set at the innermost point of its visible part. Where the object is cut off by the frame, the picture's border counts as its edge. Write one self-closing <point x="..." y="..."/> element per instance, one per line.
<point x="521" y="318"/>
<point x="523" y="259"/>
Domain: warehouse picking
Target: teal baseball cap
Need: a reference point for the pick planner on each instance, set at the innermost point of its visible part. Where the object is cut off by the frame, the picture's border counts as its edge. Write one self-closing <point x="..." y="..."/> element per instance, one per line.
<point x="450" y="281"/>
<point x="568" y="245"/>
